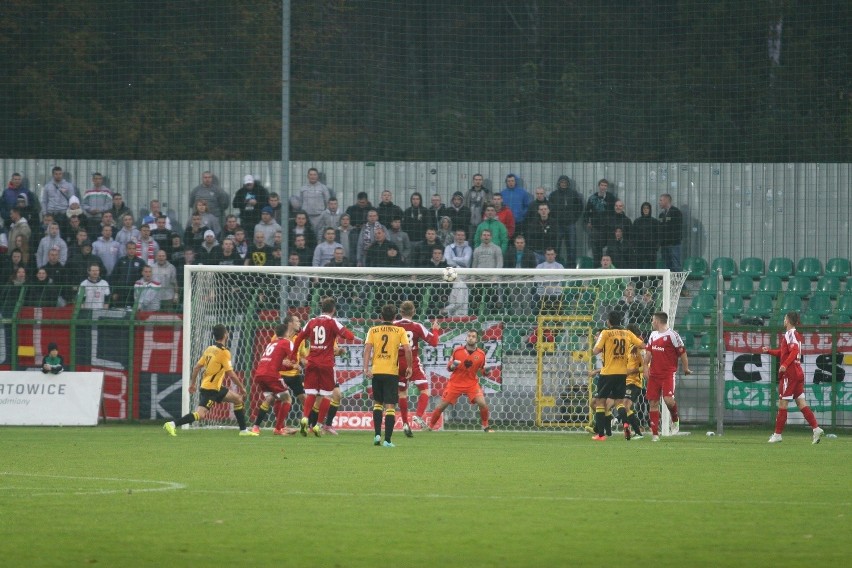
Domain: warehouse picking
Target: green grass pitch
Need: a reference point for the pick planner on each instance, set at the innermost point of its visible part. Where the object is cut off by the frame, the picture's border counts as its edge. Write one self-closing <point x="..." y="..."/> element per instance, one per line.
<point x="132" y="496"/>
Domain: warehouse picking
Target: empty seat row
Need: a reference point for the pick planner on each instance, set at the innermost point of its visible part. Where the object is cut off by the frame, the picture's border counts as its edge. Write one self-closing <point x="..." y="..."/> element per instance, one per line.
<point x="763" y="305"/>
<point x="800" y="285"/>
<point x="781" y="267"/>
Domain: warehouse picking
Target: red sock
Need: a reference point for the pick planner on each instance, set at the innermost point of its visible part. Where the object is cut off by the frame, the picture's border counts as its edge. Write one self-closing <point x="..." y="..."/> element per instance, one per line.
<point x="422" y="403"/>
<point x="809" y="416"/>
<point x="781" y="420"/>
<point x="323" y="409"/>
<point x="673" y="411"/>
<point x="655" y="422"/>
<point x="434" y="418"/>
<point x="308" y="405"/>
<point x="483" y="415"/>
<point x="403" y="406"/>
<point x="282" y="410"/>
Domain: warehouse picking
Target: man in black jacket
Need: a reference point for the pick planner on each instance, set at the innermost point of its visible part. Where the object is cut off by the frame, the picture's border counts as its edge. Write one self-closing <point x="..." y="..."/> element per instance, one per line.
<point x="518" y="255"/>
<point x="567" y="207"/>
<point x="671" y="233"/>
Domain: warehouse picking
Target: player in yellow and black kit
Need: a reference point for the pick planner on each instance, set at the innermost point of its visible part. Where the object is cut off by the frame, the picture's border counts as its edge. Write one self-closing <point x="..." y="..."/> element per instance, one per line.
<point x="216" y="362"/>
<point x="614" y="343"/>
<point x="381" y="363"/>
<point x="635" y="384"/>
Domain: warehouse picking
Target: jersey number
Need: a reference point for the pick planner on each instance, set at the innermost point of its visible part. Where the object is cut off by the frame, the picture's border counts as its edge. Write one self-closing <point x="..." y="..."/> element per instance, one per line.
<point x="269" y="349"/>
<point x="319" y="336"/>
<point x="410" y="335"/>
<point x="384" y="344"/>
<point x="619" y="349"/>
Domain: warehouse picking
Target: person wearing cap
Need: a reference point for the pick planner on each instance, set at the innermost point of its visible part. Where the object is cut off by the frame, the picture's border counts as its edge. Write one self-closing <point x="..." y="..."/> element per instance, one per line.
<point x="312" y="197"/>
<point x="458" y="212"/>
<point x="267" y="225"/>
<point x="249" y="200"/>
<point x="210" y="251"/>
<point x="52" y="362"/>
<point x="74" y="210"/>
<point x="96" y="199"/>
<point x="217" y="198"/>
<point x="56" y="193"/>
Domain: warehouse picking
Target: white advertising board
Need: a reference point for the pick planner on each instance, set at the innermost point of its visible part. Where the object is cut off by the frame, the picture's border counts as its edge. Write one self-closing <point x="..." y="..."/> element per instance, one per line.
<point x="32" y="398"/>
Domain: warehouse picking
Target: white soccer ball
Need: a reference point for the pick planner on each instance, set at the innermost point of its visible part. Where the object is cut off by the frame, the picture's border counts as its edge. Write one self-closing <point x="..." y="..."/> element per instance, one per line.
<point x="450" y="274"/>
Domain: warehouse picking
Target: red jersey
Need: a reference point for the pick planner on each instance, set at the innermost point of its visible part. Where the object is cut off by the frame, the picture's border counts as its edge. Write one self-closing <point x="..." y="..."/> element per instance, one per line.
<point x="271" y="362"/>
<point x="665" y="347"/>
<point x="322" y="331"/>
<point x="416" y="332"/>
<point x="466" y="376"/>
<point x="790" y="349"/>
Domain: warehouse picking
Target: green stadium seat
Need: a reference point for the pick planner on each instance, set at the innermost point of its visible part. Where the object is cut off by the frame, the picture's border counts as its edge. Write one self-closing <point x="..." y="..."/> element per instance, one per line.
<point x="742" y="285"/>
<point x="732" y="305"/>
<point x="586" y="262"/>
<point x="820" y="304"/>
<point x="844" y="304"/>
<point x="693" y="322"/>
<point x="839" y="267"/>
<point x="696" y="266"/>
<point x="830" y="285"/>
<point x="705" y="346"/>
<point x="781" y="267"/>
<point x="760" y="305"/>
<point x="704" y="304"/>
<point x="839" y="319"/>
<point x="800" y="285"/>
<point x="709" y="284"/>
<point x="790" y="303"/>
<point x="809" y="318"/>
<point x="688" y="340"/>
<point x="752" y="267"/>
<point x="727" y="264"/>
<point x="777" y="320"/>
<point x="809" y="266"/>
<point x="771" y="284"/>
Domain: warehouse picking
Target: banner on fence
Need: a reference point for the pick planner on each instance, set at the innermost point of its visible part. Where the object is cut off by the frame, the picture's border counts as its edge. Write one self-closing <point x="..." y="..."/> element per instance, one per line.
<point x="33" y="398"/>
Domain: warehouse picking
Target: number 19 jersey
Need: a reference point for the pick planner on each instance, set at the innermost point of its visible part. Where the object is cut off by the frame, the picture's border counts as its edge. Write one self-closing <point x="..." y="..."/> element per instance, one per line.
<point x="322" y="331"/>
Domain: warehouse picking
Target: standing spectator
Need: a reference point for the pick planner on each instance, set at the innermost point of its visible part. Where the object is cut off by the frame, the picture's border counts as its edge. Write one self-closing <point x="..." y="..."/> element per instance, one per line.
<point x="230" y="256"/>
<point x="127" y="271"/>
<point x="328" y="219"/>
<point x="644" y="238"/>
<point x="400" y="238"/>
<point x="415" y="219"/>
<point x="619" y="250"/>
<point x="459" y="254"/>
<point x="541" y="231"/>
<point x="57" y="193"/>
<point x="75" y="246"/>
<point x="259" y="253"/>
<point x="619" y="220"/>
<point x="162" y="234"/>
<point x="96" y="199"/>
<point x="41" y="292"/>
<point x="301" y="225"/>
<point x="436" y="260"/>
<point x="445" y="230"/>
<point x="96" y="291"/>
<point x="358" y="212"/>
<point x="277" y="208"/>
<point x="49" y="241"/>
<point x="599" y="207"/>
<point x="72" y="226"/>
<point x="377" y="253"/>
<point x="18" y="226"/>
<point x="324" y="251"/>
<point x="155" y="209"/>
<point x="539" y="198"/>
<point x="250" y="199"/>
<point x="423" y="250"/>
<point x="347" y="236"/>
<point x="10" y="197"/>
<point x="499" y="234"/>
<point x="107" y="249"/>
<point x="516" y="198"/>
<point x="78" y="266"/>
<point x="518" y="255"/>
<point x="241" y="245"/>
<point x="57" y="277"/>
<point x="458" y="212"/>
<point x="338" y="260"/>
<point x="267" y="225"/>
<point x="367" y="236"/>
<point x="312" y="197"/>
<point x="487" y="254"/>
<point x="478" y="196"/>
<point x="567" y="206"/>
<point x="30" y="210"/>
<point x="210" y="252"/>
<point x="194" y="234"/>
<point x="436" y="211"/>
<point x="207" y="219"/>
<point x="119" y="208"/>
<point x="671" y="233"/>
<point x="128" y="231"/>
<point x="216" y="197"/>
<point x="505" y="215"/>
<point x="165" y="273"/>
<point x="230" y="228"/>
<point x="147" y="291"/>
<point x="388" y="209"/>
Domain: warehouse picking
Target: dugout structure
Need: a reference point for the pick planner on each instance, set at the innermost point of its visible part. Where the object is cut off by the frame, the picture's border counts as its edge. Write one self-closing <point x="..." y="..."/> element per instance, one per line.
<point x="537" y="329"/>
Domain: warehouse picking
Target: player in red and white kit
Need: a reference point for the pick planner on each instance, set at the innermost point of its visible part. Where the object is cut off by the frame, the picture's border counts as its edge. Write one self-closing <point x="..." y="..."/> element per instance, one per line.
<point x="277" y="356"/>
<point x="322" y="332"/>
<point x="791" y="379"/>
<point x="416" y="332"/>
<point x="662" y="353"/>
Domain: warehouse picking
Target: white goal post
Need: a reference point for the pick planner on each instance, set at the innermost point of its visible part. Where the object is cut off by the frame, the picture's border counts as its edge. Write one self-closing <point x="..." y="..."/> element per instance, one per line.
<point x="536" y="327"/>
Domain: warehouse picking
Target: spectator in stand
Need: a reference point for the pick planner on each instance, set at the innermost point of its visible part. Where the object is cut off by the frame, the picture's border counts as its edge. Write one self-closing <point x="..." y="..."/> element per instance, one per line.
<point x="548" y="294"/>
<point x="338" y="259"/>
<point x="539" y="198"/>
<point x="96" y="200"/>
<point x="388" y="209"/>
<point x="619" y="220"/>
<point x="423" y="250"/>
<point x="147" y="247"/>
<point x="499" y="234"/>
<point x="302" y="226"/>
<point x="194" y="234"/>
<point x="57" y="279"/>
<point x="107" y="219"/>
<point x="118" y="210"/>
<point x="478" y="196"/>
<point x="259" y="253"/>
<point x="250" y="199"/>
<point x="436" y="211"/>
<point x="49" y="241"/>
<point x="347" y="236"/>
<point x="367" y="236"/>
<point x="186" y="258"/>
<point x="277" y="208"/>
<point x="52" y="362"/>
<point x="40" y="292"/>
<point x="210" y="252"/>
<point x="599" y="207"/>
<point x="312" y="197"/>
<point x="518" y="255"/>
<point x="645" y="238"/>
<point x="11" y="264"/>
<point x="459" y="254"/>
<point x="147" y="291"/>
<point x="487" y="254"/>
<point x="567" y="208"/>
<point x="155" y="209"/>
<point x="445" y="230"/>
<point x="165" y="273"/>
<point x="516" y="199"/>
<point x="127" y="271"/>
<point x="56" y="193"/>
<point x="31" y="211"/>
<point x="78" y="266"/>
<point x="18" y="226"/>
<point x="541" y="232"/>
<point x="96" y="291"/>
<point x="162" y="235"/>
<point x="377" y="253"/>
<point x="10" y="197"/>
<point x="504" y="215"/>
<point x="671" y="233"/>
<point x="230" y="257"/>
<point x="458" y="212"/>
<point x="230" y="228"/>
<point x="69" y="233"/>
<point x="267" y="225"/>
<point x="298" y="287"/>
<point x="74" y="210"/>
<point x="128" y="231"/>
<point x="241" y="245"/>
<point x="619" y="250"/>
<point x="208" y="219"/>
<point x="394" y="258"/>
<point x="324" y="251"/>
<point x="400" y="238"/>
<point x="107" y="249"/>
<point x="20" y="277"/>
<point x="436" y="260"/>
<point x="632" y="307"/>
<point x="23" y="245"/>
<point x="81" y="236"/>
<point x="358" y="212"/>
<point x="217" y="198"/>
<point x="329" y="218"/>
<point x="415" y="219"/>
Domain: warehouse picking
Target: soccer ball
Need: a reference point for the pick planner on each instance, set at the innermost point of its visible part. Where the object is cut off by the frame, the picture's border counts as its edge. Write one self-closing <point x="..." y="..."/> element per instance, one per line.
<point x="450" y="274"/>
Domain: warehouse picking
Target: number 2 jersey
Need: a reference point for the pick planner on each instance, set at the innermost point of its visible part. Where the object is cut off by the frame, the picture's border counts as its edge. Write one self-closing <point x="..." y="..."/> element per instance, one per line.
<point x="666" y="348"/>
<point x="322" y="332"/>
<point x="416" y="333"/>
<point x="616" y="345"/>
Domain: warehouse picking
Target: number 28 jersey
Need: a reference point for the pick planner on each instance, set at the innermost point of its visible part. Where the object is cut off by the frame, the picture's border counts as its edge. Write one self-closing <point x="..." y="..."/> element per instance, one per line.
<point x="322" y="332"/>
<point x="616" y="345"/>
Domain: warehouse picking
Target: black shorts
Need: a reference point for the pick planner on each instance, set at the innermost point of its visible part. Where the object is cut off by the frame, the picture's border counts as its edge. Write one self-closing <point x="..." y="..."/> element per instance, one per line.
<point x="297" y="387"/>
<point x="208" y="397"/>
<point x="610" y="386"/>
<point x="386" y="389"/>
<point x="633" y="393"/>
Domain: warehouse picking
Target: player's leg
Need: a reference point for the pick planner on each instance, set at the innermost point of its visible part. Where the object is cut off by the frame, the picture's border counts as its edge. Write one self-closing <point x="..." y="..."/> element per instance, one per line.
<point x="422" y="401"/>
<point x="479" y="400"/>
<point x="786" y="392"/>
<point x="403" y="400"/>
<point x="802" y="403"/>
<point x="653" y="395"/>
<point x="199" y="414"/>
<point x="334" y="406"/>
<point x="450" y="397"/>
<point x="378" y="408"/>
<point x="282" y="410"/>
<point x="312" y="388"/>
<point x="602" y="385"/>
<point x="262" y="411"/>
<point x="239" y="412"/>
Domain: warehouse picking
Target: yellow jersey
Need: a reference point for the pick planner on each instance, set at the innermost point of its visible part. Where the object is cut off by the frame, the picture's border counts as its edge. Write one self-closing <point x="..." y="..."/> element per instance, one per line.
<point x="386" y="340"/>
<point x="303" y="352"/>
<point x="616" y="345"/>
<point x="634" y="368"/>
<point x="216" y="361"/>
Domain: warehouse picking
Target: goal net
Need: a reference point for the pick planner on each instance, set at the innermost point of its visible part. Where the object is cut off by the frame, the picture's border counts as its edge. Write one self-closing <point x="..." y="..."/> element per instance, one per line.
<point x="537" y="328"/>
